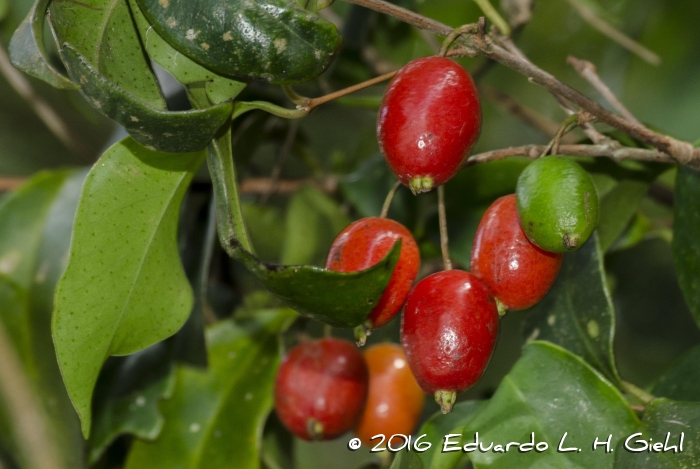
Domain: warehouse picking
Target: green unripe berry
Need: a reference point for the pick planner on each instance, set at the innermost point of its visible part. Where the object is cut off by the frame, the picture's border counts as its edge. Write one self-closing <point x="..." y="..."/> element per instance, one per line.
<point x="557" y="204"/>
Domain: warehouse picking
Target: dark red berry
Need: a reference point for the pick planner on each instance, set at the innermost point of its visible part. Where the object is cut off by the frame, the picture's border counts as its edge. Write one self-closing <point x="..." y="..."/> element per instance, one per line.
<point x="518" y="272"/>
<point x="321" y="389"/>
<point x="428" y="122"/>
<point x="449" y="330"/>
<point x="364" y="243"/>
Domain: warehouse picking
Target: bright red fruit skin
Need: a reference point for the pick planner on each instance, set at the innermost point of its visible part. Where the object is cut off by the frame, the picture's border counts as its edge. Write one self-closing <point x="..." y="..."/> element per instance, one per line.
<point x="321" y="382"/>
<point x="518" y="272"/>
<point x="364" y="243"/>
<point x="449" y="330"/>
<point x="428" y="122"/>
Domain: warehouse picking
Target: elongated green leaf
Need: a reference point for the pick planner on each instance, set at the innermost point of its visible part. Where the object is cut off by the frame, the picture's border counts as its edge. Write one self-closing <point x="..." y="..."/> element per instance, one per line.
<point x="440" y="425"/>
<point x="127" y="398"/>
<point x="682" y="380"/>
<point x="338" y="299"/>
<point x="270" y="39"/>
<point x="103" y="33"/>
<point x="152" y="128"/>
<point x="313" y="221"/>
<point x="124" y="288"/>
<point x="41" y="222"/>
<point x="27" y="49"/>
<point x="551" y="392"/>
<point x="665" y="421"/>
<point x="578" y="313"/>
<point x="686" y="242"/>
<point x="215" y="417"/>
<point x="406" y="460"/>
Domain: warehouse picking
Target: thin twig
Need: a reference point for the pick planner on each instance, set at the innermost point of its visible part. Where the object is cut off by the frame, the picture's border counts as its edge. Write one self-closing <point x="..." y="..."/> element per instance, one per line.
<point x="613" y="150"/>
<point x="444" y="241"/>
<point x="263" y="185"/>
<point x="389" y="198"/>
<point x="28" y="421"/>
<point x="11" y="183"/>
<point x="588" y="71"/>
<point x="51" y="119"/>
<point x="625" y="41"/>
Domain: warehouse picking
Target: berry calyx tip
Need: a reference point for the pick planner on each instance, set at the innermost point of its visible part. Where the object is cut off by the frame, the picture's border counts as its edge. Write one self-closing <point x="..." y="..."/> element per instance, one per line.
<point x="315" y="429"/>
<point x="571" y="240"/>
<point x="362" y="331"/>
<point x="445" y="399"/>
<point x="502" y="308"/>
<point x="420" y="184"/>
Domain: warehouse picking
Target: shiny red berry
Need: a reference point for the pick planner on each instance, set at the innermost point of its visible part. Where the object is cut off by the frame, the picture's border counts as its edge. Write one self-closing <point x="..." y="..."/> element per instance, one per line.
<point x="449" y="330"/>
<point x="321" y="389"/>
<point x="428" y="122"/>
<point x="518" y="272"/>
<point x="364" y="243"/>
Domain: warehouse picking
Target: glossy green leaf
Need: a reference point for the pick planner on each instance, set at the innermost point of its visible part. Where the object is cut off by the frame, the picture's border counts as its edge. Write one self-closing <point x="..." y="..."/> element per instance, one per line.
<point x="39" y="218"/>
<point x="578" y="313"/>
<point x="152" y="128"/>
<point x="551" y="392"/>
<point x="104" y="34"/>
<point x="27" y="49"/>
<point x="269" y="39"/>
<point x="215" y="417"/>
<point x="617" y="208"/>
<point x="438" y="426"/>
<point x="126" y="400"/>
<point x="406" y="460"/>
<point x="664" y="422"/>
<point x="686" y="242"/>
<point x="180" y="66"/>
<point x="681" y="381"/>
<point x="313" y="221"/>
<point x="124" y="288"/>
<point x="336" y="298"/>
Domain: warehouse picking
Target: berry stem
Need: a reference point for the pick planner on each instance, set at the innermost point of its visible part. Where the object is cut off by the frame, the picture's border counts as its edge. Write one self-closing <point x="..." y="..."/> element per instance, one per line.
<point x="641" y="395"/>
<point x="569" y="122"/>
<point x="389" y="198"/>
<point x="444" y="241"/>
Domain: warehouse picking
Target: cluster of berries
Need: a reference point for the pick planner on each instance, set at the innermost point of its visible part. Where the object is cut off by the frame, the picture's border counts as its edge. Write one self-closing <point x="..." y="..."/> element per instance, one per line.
<point x="429" y="120"/>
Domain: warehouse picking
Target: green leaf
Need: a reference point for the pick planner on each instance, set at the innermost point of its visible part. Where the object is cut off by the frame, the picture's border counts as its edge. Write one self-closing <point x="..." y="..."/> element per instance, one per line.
<point x="439" y="425"/>
<point x="39" y="218"/>
<point x="266" y="226"/>
<point x="336" y="298"/>
<point x="406" y="460"/>
<point x="313" y="221"/>
<point x="184" y="70"/>
<point x="682" y="380"/>
<point x="270" y="39"/>
<point x="4" y="9"/>
<point x="578" y="313"/>
<point x="22" y="217"/>
<point x="126" y="400"/>
<point x="664" y="422"/>
<point x="617" y="208"/>
<point x="686" y="242"/>
<point x="104" y="34"/>
<point x="551" y="392"/>
<point x="27" y="49"/>
<point x="151" y="127"/>
<point x="215" y="417"/>
<point x="124" y="288"/>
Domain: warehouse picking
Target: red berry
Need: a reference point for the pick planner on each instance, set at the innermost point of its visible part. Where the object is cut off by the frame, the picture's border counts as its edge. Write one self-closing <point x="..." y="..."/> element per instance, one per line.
<point x="364" y="243"/>
<point x="428" y="122"/>
<point x="518" y="272"/>
<point x="449" y="330"/>
<point x="321" y="389"/>
<point x="395" y="401"/>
